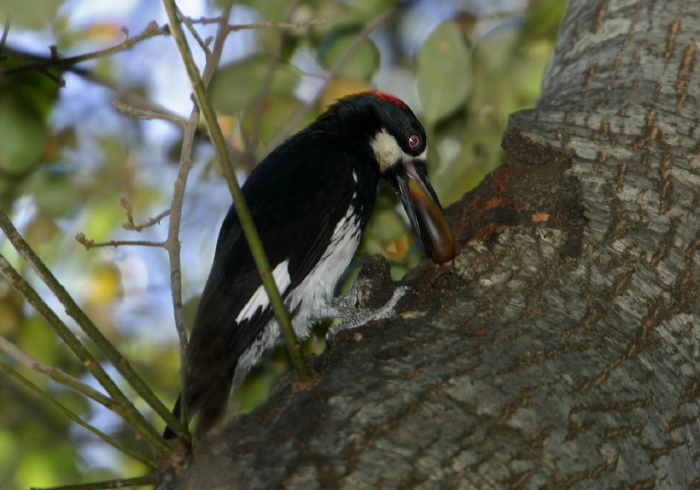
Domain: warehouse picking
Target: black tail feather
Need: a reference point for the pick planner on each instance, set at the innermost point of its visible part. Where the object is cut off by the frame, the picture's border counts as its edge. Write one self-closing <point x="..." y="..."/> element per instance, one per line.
<point x="168" y="433"/>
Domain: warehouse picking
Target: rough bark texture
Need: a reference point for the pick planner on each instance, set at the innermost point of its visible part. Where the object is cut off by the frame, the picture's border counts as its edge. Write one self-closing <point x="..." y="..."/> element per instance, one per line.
<point x="561" y="349"/>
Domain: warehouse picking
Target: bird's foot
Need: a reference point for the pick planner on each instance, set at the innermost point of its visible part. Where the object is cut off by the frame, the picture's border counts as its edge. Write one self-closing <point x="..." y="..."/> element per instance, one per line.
<point x="347" y="300"/>
<point x="344" y="307"/>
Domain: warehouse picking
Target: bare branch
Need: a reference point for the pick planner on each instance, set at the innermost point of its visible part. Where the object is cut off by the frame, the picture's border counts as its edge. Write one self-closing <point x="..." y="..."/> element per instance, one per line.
<point x="173" y="241"/>
<point x="163" y="114"/>
<point x="54" y="373"/>
<point x="129" y="210"/>
<point x="258" y="25"/>
<point x="63" y="63"/>
<point x="88" y="244"/>
<point x="150" y="222"/>
<point x="202" y="44"/>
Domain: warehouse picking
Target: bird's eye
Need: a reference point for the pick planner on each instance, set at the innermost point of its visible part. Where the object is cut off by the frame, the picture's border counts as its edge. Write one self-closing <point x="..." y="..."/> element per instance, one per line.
<point x="414" y="141"/>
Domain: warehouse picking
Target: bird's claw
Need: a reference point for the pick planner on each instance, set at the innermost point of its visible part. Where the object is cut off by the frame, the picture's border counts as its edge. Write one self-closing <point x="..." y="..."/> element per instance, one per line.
<point x="347" y="300"/>
<point x="356" y="317"/>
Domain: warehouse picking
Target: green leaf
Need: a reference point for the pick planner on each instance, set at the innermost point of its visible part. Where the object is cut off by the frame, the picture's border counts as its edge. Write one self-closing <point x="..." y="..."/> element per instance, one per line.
<point x="543" y="19"/>
<point x="236" y="86"/>
<point x="363" y="62"/>
<point x="277" y="110"/>
<point x="444" y="72"/>
<point x="54" y="192"/>
<point x="30" y="14"/>
<point x="25" y="104"/>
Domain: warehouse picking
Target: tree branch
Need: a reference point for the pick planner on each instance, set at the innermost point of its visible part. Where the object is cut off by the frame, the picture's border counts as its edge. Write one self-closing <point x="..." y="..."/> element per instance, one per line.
<point x="88" y="244"/>
<point x="62" y="63"/>
<point x="173" y="241"/>
<point x="163" y="114"/>
<point x="130" y="225"/>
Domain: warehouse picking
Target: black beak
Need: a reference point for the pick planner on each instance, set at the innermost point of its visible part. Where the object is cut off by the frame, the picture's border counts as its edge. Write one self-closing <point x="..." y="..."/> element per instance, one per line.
<point x="410" y="182"/>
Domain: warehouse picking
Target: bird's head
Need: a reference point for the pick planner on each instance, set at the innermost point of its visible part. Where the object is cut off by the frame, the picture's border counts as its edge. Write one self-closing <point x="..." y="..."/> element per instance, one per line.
<point x="398" y="142"/>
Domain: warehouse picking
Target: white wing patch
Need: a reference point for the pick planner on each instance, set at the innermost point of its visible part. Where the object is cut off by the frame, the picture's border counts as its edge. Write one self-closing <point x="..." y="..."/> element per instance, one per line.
<point x="310" y="297"/>
<point x="315" y="292"/>
<point x="259" y="298"/>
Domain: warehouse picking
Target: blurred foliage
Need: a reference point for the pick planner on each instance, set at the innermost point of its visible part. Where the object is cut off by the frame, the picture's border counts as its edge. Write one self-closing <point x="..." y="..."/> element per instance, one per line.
<point x="444" y="72"/>
<point x="66" y="158"/>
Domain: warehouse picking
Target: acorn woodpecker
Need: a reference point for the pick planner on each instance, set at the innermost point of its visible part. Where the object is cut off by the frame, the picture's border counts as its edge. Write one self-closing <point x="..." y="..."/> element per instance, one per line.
<point x="310" y="199"/>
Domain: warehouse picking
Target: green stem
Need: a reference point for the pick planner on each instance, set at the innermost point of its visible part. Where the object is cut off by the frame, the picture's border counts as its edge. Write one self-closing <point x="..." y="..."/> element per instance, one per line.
<point x="121" y="404"/>
<point x="242" y="210"/>
<point x="75" y="418"/>
<point x="55" y="374"/>
<point x="173" y="241"/>
<point x="120" y="363"/>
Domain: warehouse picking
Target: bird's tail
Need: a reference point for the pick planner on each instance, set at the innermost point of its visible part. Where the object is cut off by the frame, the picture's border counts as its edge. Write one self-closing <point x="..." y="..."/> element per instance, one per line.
<point x="211" y="407"/>
<point x="168" y="433"/>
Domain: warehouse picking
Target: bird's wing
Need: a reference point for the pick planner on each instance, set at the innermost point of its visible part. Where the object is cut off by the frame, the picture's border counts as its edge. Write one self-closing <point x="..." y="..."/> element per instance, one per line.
<point x="294" y="211"/>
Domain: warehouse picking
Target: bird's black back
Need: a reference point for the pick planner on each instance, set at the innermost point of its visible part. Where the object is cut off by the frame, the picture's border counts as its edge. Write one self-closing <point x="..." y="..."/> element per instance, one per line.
<point x="295" y="196"/>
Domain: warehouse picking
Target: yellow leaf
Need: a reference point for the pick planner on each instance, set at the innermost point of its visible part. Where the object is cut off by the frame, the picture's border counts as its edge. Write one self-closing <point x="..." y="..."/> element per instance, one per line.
<point x="105" y="284"/>
<point x="397" y="247"/>
<point x="340" y="87"/>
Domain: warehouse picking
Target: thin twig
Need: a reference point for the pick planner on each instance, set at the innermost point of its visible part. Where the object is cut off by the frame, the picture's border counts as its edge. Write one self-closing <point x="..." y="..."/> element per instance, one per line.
<point x="246" y="220"/>
<point x="173" y="248"/>
<point x="149" y="114"/>
<point x="173" y="241"/>
<point x="279" y="25"/>
<point x="54" y="62"/>
<point x="88" y="244"/>
<point x="121" y="364"/>
<point x="301" y="113"/>
<point x="53" y="373"/>
<point x="150" y="222"/>
<point x="259" y="25"/>
<point x="69" y="413"/>
<point x="193" y="31"/>
<point x="129" y="210"/>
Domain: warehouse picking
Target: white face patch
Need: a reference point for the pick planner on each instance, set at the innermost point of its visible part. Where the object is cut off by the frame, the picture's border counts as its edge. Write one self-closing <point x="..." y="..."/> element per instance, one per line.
<point x="259" y="298"/>
<point x="386" y="149"/>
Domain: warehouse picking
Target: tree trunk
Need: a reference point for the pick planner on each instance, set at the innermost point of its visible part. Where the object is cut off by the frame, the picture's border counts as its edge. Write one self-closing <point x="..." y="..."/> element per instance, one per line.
<point x="561" y="349"/>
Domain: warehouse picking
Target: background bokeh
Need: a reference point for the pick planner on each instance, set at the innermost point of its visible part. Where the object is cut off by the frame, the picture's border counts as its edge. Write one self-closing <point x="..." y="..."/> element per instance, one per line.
<point x="67" y="157"/>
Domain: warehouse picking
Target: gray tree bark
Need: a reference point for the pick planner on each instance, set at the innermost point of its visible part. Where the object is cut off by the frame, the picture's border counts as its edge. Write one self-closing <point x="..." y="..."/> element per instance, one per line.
<point x="561" y="349"/>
